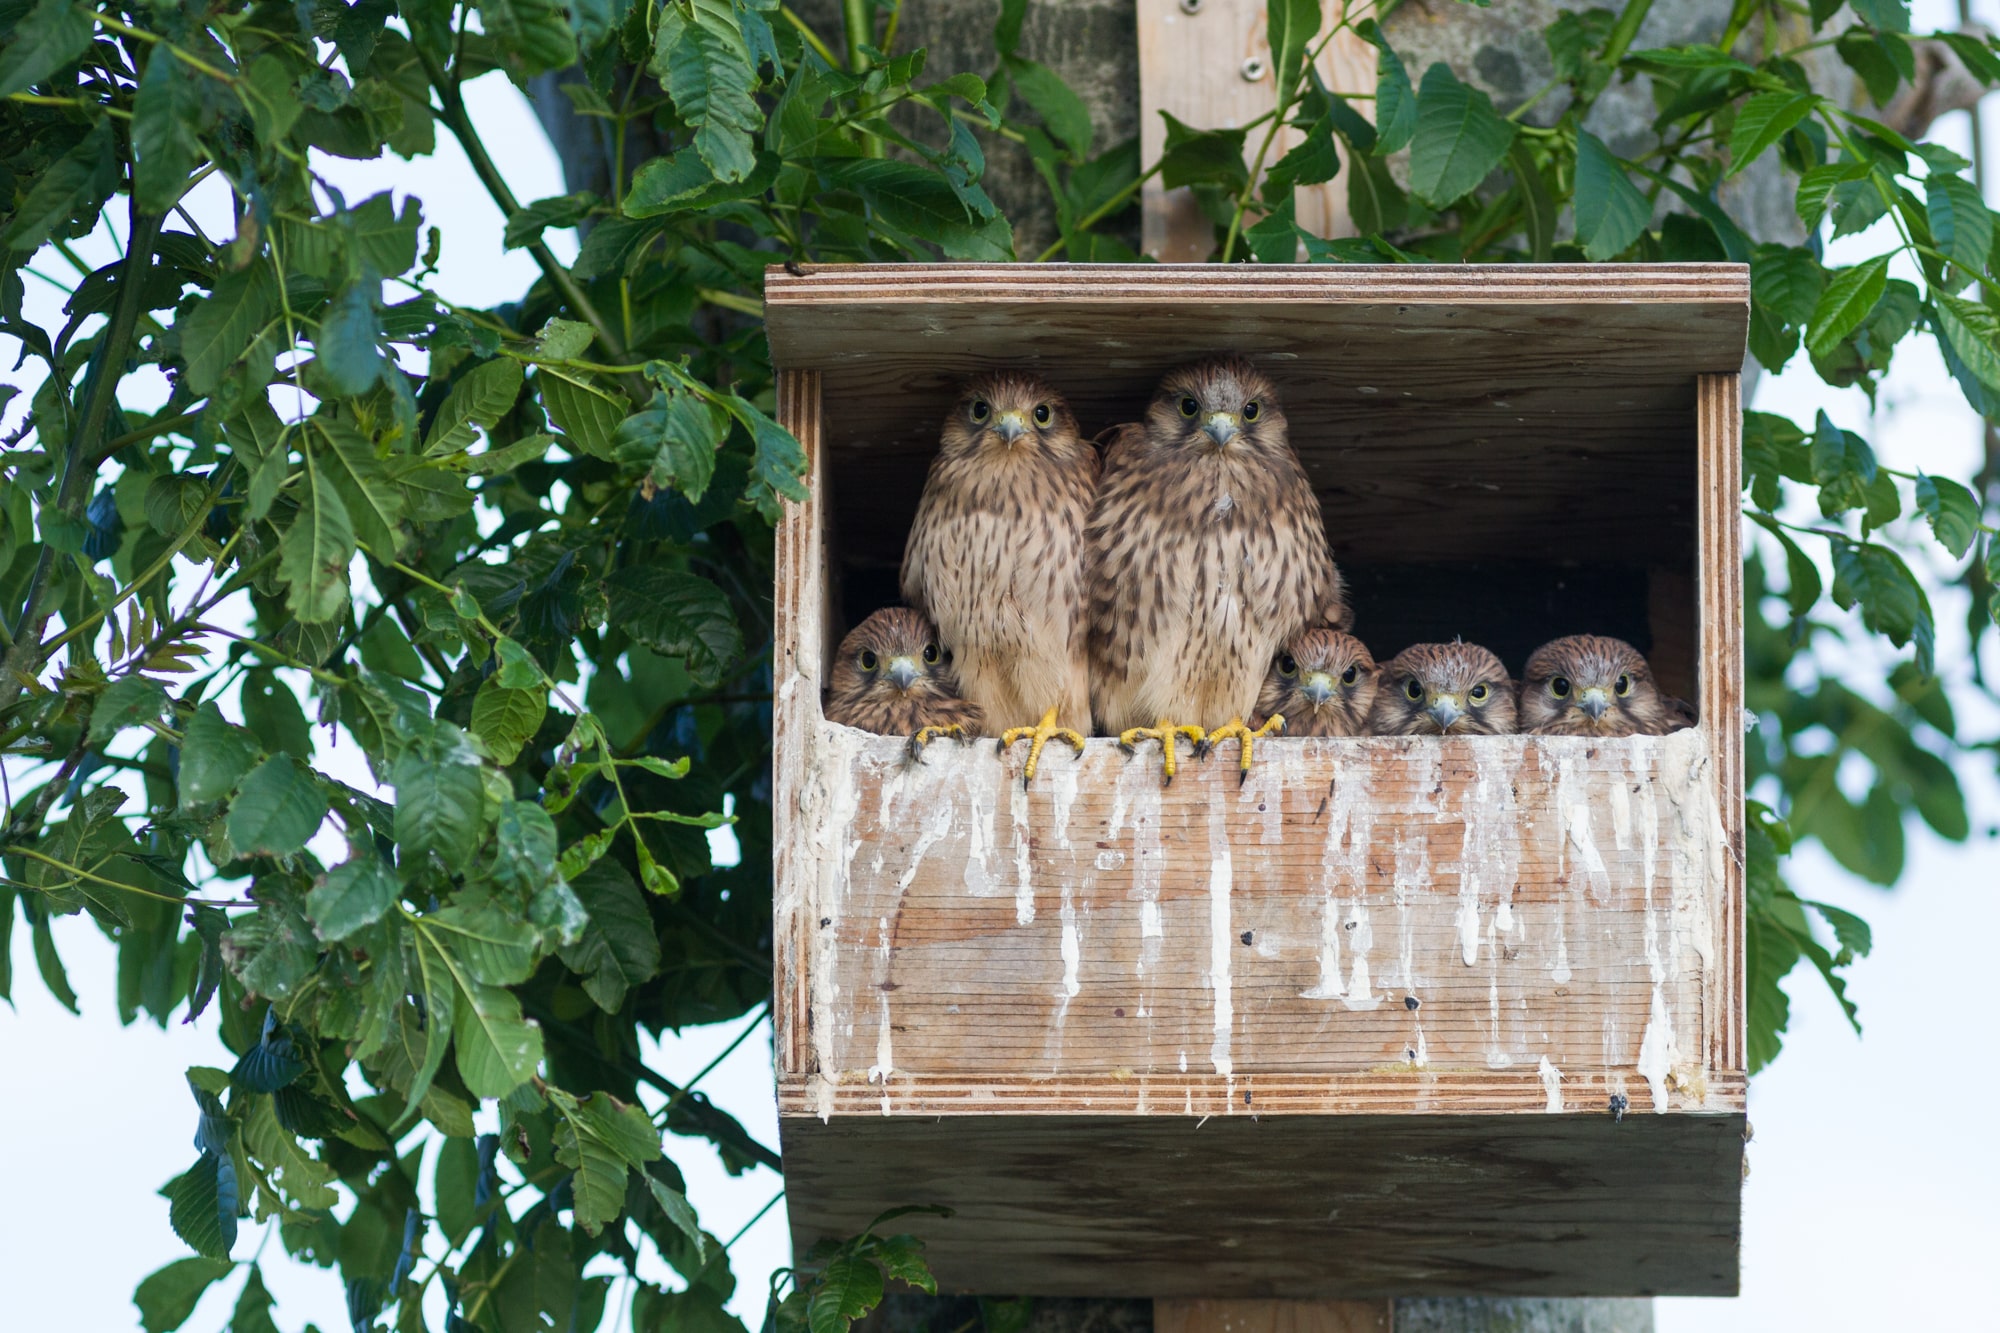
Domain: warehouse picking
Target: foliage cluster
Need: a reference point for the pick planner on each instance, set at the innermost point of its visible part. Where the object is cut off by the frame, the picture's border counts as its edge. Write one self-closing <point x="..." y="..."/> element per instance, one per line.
<point x="519" y="557"/>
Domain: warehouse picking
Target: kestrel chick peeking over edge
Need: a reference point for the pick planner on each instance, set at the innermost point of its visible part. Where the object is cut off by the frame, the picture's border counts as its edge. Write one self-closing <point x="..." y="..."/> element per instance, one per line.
<point x="1452" y="689"/>
<point x="996" y="556"/>
<point x="1208" y="554"/>
<point x="893" y="677"/>
<point x="1588" y="685"/>
<point x="1322" y="684"/>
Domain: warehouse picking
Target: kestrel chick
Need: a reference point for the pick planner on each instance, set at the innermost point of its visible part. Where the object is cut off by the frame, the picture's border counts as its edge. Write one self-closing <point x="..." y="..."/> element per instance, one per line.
<point x="893" y="677"/>
<point x="1452" y="689"/>
<point x="1322" y="684"/>
<point x="996" y="557"/>
<point x="1588" y="685"/>
<point x="1208" y="555"/>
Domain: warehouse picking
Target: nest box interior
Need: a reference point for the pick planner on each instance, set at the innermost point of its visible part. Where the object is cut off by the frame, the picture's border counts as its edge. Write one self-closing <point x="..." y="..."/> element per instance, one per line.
<point x="1395" y="1016"/>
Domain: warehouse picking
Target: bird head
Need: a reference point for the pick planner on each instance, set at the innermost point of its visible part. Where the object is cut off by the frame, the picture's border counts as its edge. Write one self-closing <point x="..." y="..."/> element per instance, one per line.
<point x="1323" y="682"/>
<point x="893" y="654"/>
<point x="1589" y="684"/>
<point x="1007" y="412"/>
<point x="1433" y="689"/>
<point x="1218" y="404"/>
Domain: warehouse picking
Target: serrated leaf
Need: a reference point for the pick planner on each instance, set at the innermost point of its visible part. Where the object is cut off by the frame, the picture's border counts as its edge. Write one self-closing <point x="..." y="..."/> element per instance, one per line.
<point x="618" y="949"/>
<point x="1803" y="585"/>
<point x="526" y="226"/>
<point x="700" y="58"/>
<point x="532" y="33"/>
<point x="168" y="1295"/>
<point x="1610" y="211"/>
<point x="1851" y="293"/>
<point x="1395" y="98"/>
<point x="131" y="701"/>
<point x="588" y="415"/>
<point x="202" y="1207"/>
<point x="54" y="33"/>
<point x="848" y="1288"/>
<point x="677" y="434"/>
<point x="677" y="615"/>
<point x="305" y="1180"/>
<point x="352" y="895"/>
<point x="565" y="339"/>
<point x="1960" y="222"/>
<point x="674" y="1205"/>
<point x="481" y="397"/>
<point x="316" y="550"/>
<point x="580" y="855"/>
<point x="1459" y="138"/>
<point x="1972" y="333"/>
<point x="166" y="116"/>
<point x="1062" y="112"/>
<point x="1202" y="157"/>
<point x="496" y="948"/>
<point x="1953" y="512"/>
<point x="505" y="719"/>
<point x="497" y="1049"/>
<point x="440" y="799"/>
<point x="219" y="329"/>
<point x="346" y="356"/>
<point x="372" y="502"/>
<point x="1762" y="121"/>
<point x="278" y="808"/>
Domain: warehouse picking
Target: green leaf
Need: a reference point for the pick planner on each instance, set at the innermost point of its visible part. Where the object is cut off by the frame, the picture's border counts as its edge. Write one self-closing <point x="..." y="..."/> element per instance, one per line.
<point x="1817" y="185"/>
<point x="129" y="702"/>
<point x="677" y="433"/>
<point x="352" y="895"/>
<point x="518" y="668"/>
<point x="166" y="117"/>
<point x="279" y="807"/>
<point x="700" y="58"/>
<point x="1960" y="221"/>
<point x="532" y="33"/>
<point x="1843" y="466"/>
<point x="481" y="397"/>
<point x="440" y="799"/>
<point x="848" y="1289"/>
<point x="1459" y="140"/>
<point x="253" y="1306"/>
<point x="497" y="1049"/>
<point x="675" y="1206"/>
<point x="53" y="35"/>
<point x="1802" y="576"/>
<point x="1274" y="238"/>
<point x="618" y="949"/>
<point x="1202" y="157"/>
<point x="49" y="963"/>
<point x="316" y="550"/>
<point x="1892" y="602"/>
<point x="1289" y="27"/>
<point x="203" y="1206"/>
<point x="496" y="948"/>
<point x="565" y="210"/>
<point x="1762" y="121"/>
<point x="677" y="615"/>
<point x="1885" y="15"/>
<point x="1610" y="211"/>
<point x="1972" y="332"/>
<point x="1849" y="296"/>
<point x="1953" y="513"/>
<point x="1786" y="280"/>
<point x="219" y="330"/>
<point x="1062" y="112"/>
<point x="1978" y="58"/>
<point x="588" y="415"/>
<point x="524" y="839"/>
<point x="1313" y="161"/>
<point x="346" y="356"/>
<point x="505" y="719"/>
<point x="457" y="1183"/>
<point x="373" y="503"/>
<point x="1395" y="99"/>
<point x="168" y="1295"/>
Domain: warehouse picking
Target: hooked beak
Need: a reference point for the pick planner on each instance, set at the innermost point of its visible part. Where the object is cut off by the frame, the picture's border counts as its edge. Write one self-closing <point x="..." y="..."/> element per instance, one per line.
<point x="903" y="671"/>
<point x="1593" y="701"/>
<point x="1444" y="710"/>
<point x="1011" y="426"/>
<point x="1220" y="427"/>
<point x="1317" y="686"/>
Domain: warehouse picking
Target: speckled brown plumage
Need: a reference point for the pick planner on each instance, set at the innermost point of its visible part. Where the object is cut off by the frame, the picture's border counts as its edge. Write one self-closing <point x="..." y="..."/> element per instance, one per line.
<point x="1589" y="685"/>
<point x="1431" y="689"/>
<point x="996" y="556"/>
<point x="891" y="675"/>
<point x="1208" y="554"/>
<point x="1323" y="683"/>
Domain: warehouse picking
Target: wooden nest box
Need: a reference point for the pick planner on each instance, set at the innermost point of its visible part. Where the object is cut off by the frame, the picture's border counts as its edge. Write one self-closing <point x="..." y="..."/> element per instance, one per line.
<point x="1363" y="1026"/>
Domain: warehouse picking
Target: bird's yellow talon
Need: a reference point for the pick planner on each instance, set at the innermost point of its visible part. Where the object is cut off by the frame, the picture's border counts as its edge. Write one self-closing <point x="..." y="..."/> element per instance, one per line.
<point x="1165" y="733"/>
<point x="1038" y="736"/>
<point x="1245" y="737"/>
<point x="925" y="735"/>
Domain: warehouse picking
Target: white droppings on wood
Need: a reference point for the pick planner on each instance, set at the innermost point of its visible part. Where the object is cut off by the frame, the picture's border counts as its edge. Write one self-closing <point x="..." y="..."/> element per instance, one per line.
<point x="1220" y="954"/>
<point x="1413" y="877"/>
<point x="1137" y="796"/>
<point x="1656" y="1049"/>
<point x="1360" y="939"/>
<point x="1072" y="949"/>
<point x="981" y="839"/>
<point x="1552" y="1080"/>
<point x="1491" y="855"/>
<point x="1024" y="864"/>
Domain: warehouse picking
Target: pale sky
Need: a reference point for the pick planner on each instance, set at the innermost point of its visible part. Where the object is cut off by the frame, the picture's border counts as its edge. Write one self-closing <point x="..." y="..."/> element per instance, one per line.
<point x="1874" y="1168"/>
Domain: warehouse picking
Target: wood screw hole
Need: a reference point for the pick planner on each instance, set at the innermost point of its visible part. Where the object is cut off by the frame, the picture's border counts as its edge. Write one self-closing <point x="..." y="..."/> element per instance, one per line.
<point x="1190" y="6"/>
<point x="1253" y="69"/>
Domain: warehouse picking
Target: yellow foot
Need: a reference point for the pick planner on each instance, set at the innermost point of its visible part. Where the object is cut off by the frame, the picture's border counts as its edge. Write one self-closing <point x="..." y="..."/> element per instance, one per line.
<point x="1165" y="733"/>
<point x="1037" y="736"/>
<point x="1246" y="739"/>
<point x="925" y="735"/>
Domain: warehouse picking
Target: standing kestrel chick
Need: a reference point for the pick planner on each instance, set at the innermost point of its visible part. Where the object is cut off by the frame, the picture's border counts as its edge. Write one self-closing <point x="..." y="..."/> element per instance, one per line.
<point x="1449" y="689"/>
<point x="1208" y="554"/>
<point x="996" y="557"/>
<point x="892" y="676"/>
<point x="1322" y="684"/>
<point x="1587" y="685"/>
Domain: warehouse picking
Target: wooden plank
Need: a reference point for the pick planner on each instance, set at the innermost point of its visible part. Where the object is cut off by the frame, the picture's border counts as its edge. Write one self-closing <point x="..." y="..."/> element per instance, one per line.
<point x="1418" y="924"/>
<point x="799" y="628"/>
<point x="1720" y="565"/>
<point x="1289" y="1207"/>
<point x="1208" y="64"/>
<point x="1211" y="1316"/>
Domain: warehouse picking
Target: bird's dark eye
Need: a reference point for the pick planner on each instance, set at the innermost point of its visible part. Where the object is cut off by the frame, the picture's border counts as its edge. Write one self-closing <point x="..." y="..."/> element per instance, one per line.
<point x="1349" y="676"/>
<point x="931" y="654"/>
<point x="1624" y="686"/>
<point x="981" y="409"/>
<point x="1411" y="690"/>
<point x="1189" y="407"/>
<point x="1288" y="666"/>
<point x="1559" y="687"/>
<point x="1478" y="694"/>
<point x="1252" y="410"/>
<point x="1042" y="414"/>
<point x="868" y="660"/>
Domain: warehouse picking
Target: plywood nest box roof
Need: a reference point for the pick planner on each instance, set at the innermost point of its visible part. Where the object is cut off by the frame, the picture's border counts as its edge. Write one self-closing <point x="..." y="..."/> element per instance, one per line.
<point x="1362" y="1026"/>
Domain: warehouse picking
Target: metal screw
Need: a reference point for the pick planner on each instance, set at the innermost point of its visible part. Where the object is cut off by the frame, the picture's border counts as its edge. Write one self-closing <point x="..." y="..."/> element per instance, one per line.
<point x="1190" y="6"/>
<point x="1253" y="69"/>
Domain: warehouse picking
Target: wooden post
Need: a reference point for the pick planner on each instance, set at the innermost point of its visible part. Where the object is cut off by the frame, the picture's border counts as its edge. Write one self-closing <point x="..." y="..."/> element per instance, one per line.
<point x="1273" y="1316"/>
<point x="1207" y="63"/>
